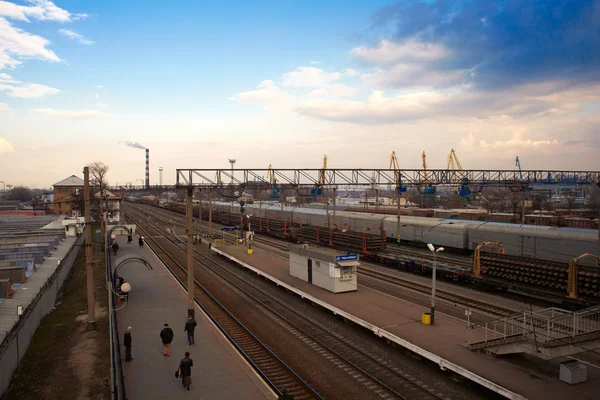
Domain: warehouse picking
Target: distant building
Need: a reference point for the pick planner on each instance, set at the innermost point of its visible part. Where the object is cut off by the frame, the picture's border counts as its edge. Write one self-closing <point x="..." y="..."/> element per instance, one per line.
<point x="113" y="205"/>
<point x="68" y="194"/>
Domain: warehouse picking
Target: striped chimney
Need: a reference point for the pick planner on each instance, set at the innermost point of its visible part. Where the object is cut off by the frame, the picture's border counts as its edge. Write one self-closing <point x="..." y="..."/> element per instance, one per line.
<point x="147" y="169"/>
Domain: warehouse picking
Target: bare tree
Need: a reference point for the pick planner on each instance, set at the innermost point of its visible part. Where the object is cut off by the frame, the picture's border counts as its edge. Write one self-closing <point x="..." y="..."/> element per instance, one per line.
<point x="98" y="171"/>
<point x="571" y="200"/>
<point x="593" y="202"/>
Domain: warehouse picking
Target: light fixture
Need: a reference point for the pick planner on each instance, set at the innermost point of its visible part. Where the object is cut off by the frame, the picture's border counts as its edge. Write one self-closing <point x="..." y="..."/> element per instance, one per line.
<point x="19" y="310"/>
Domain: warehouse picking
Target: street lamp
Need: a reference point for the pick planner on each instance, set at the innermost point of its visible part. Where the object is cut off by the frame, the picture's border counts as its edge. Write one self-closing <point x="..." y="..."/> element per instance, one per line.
<point x="434" y="251"/>
<point x="125" y="288"/>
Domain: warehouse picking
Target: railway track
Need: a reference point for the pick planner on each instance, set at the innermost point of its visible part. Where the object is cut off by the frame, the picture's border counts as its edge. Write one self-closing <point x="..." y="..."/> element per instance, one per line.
<point x="468" y="303"/>
<point x="272" y="368"/>
<point x="390" y="283"/>
<point x="384" y="380"/>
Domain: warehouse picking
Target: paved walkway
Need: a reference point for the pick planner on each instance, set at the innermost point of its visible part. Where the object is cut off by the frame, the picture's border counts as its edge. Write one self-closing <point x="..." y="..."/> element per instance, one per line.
<point x="525" y="375"/>
<point x="219" y="372"/>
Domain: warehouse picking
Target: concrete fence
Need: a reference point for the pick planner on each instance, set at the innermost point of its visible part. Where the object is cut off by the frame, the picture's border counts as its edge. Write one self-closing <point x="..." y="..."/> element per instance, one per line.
<point x="16" y="342"/>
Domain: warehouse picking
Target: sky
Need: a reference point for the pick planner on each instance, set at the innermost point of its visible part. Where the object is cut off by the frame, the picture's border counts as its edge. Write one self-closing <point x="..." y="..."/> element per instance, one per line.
<point x="283" y="83"/>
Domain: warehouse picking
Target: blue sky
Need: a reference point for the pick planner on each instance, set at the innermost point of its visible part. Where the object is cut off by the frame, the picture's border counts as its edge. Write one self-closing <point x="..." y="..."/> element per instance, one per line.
<point x="284" y="82"/>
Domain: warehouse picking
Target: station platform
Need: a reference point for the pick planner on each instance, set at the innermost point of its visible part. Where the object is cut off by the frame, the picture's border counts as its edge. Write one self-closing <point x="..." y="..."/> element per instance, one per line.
<point x="517" y="377"/>
<point x="156" y="298"/>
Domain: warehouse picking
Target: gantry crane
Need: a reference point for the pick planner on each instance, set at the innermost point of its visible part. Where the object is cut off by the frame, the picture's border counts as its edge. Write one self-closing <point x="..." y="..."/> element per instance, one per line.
<point x="428" y="188"/>
<point x="318" y="190"/>
<point x="462" y="187"/>
<point x="276" y="193"/>
<point x="397" y="173"/>
<point x="518" y="164"/>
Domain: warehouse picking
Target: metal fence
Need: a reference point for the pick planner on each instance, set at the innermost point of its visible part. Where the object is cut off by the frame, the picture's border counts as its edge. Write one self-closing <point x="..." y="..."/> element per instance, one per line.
<point x="16" y="342"/>
<point x="547" y="325"/>
<point x="118" y="391"/>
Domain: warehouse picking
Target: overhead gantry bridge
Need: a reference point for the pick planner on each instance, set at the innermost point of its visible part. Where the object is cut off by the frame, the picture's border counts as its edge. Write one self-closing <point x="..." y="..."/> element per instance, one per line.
<point x="246" y="179"/>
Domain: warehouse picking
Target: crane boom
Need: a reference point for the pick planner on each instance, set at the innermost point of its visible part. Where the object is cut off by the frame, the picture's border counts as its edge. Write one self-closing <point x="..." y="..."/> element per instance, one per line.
<point x="423" y="157"/>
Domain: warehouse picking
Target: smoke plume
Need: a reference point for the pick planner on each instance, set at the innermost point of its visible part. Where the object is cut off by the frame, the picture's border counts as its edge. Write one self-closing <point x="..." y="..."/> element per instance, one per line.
<point x="135" y="145"/>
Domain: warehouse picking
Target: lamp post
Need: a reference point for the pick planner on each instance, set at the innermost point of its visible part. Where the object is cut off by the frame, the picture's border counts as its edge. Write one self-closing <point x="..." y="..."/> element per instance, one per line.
<point x="434" y="251"/>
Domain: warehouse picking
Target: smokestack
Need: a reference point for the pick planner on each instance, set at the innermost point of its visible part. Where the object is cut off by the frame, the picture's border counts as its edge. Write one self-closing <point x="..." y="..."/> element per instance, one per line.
<point x="147" y="169"/>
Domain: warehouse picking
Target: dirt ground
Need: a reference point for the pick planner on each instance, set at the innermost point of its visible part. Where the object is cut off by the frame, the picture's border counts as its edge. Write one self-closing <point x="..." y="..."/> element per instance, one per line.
<point x="64" y="360"/>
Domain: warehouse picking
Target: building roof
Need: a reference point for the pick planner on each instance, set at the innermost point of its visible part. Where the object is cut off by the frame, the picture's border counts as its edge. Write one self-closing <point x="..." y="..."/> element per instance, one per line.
<point x="72" y="181"/>
<point x="108" y="194"/>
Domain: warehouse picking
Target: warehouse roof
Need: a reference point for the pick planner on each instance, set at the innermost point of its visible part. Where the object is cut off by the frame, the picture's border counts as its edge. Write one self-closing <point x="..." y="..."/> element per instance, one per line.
<point x="72" y="181"/>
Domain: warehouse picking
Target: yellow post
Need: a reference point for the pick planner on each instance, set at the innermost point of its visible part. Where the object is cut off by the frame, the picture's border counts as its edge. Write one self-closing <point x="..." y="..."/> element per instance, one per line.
<point x="426" y="319"/>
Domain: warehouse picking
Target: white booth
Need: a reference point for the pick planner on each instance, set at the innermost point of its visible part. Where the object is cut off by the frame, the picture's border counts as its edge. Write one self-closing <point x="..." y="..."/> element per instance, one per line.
<point x="326" y="268"/>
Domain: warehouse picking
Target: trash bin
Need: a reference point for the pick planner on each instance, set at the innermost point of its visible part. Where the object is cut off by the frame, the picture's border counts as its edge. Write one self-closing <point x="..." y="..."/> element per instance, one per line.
<point x="250" y="251"/>
<point x="426" y="318"/>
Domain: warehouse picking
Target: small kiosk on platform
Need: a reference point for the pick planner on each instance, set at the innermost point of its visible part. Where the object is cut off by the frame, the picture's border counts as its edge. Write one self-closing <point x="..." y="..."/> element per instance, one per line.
<point x="326" y="268"/>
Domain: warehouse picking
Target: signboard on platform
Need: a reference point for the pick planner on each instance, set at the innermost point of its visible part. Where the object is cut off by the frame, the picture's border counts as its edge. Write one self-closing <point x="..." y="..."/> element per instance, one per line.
<point x="230" y="228"/>
<point x="347" y="257"/>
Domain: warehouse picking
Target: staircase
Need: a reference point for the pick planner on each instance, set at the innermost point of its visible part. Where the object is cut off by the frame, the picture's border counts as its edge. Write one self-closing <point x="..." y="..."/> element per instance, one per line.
<point x="547" y="333"/>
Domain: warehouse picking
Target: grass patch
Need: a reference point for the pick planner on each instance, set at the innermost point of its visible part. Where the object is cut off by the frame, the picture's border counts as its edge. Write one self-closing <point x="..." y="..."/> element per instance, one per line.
<point x="64" y="360"/>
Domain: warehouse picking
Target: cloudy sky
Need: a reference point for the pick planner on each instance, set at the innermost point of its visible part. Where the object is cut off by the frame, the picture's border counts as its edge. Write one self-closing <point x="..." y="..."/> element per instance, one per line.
<point x="283" y="83"/>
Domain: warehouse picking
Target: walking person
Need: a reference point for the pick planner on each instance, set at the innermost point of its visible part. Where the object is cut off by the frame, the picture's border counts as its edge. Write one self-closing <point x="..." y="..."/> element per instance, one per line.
<point x="185" y="370"/>
<point x="129" y="239"/>
<point x="190" y="325"/>
<point x="141" y="241"/>
<point x="115" y="247"/>
<point x="127" y="343"/>
<point x="285" y="395"/>
<point x="167" y="337"/>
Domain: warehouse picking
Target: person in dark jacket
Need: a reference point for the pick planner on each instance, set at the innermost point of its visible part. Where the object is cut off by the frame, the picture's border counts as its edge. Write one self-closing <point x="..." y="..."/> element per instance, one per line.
<point x="185" y="370"/>
<point x="115" y="247"/>
<point x="190" y="325"/>
<point x="141" y="241"/>
<point x="129" y="238"/>
<point x="167" y="337"/>
<point x="127" y="343"/>
<point x="284" y="395"/>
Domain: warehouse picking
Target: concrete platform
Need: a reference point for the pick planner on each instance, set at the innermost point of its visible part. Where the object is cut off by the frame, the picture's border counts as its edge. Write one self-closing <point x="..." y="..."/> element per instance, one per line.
<point x="444" y="343"/>
<point x="219" y="372"/>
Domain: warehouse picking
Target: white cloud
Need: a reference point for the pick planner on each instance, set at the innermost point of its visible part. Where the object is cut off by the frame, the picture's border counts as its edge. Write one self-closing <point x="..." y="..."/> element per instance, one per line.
<point x="75" y="36"/>
<point x="411" y="75"/>
<point x="71" y="114"/>
<point x="42" y="10"/>
<point x="5" y="146"/>
<point x="350" y="72"/>
<point x="99" y="87"/>
<point x="28" y="90"/>
<point x="387" y="53"/>
<point x="517" y="142"/>
<point x="315" y="62"/>
<point x="3" y="106"/>
<point x="6" y="78"/>
<point x="309" y="77"/>
<point x="266" y="93"/>
<point x="15" y="42"/>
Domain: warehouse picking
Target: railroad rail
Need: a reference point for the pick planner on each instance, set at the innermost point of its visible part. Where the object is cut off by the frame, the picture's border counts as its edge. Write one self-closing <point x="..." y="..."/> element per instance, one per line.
<point x="384" y="380"/>
<point x="268" y="365"/>
<point x="381" y="281"/>
<point x="468" y="303"/>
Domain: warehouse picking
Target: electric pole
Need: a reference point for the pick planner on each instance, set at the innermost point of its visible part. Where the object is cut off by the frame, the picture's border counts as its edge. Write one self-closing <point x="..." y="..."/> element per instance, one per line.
<point x="190" y="250"/>
<point x="89" y="262"/>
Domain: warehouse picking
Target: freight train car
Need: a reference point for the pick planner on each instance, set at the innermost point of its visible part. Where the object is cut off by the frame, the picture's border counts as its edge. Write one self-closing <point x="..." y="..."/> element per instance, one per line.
<point x="442" y="232"/>
<point x="546" y="243"/>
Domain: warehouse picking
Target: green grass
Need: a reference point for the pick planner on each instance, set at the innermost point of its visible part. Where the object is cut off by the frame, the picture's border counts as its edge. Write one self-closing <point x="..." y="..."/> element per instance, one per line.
<point x="49" y="370"/>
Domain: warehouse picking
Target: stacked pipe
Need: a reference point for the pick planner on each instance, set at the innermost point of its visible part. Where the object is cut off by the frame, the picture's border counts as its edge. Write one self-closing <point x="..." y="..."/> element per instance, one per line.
<point x="549" y="275"/>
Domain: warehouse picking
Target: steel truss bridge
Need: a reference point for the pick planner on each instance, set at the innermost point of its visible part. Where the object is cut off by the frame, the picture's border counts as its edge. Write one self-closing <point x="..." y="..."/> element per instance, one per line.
<point x="258" y="179"/>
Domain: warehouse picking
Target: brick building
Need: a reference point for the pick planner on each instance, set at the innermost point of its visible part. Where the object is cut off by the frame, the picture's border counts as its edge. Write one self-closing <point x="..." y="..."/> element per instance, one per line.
<point x="68" y="194"/>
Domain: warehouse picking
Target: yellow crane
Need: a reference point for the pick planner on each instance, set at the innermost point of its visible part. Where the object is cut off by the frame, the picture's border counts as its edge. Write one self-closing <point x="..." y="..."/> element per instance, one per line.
<point x="318" y="190"/>
<point x="276" y="193"/>
<point x="428" y="188"/>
